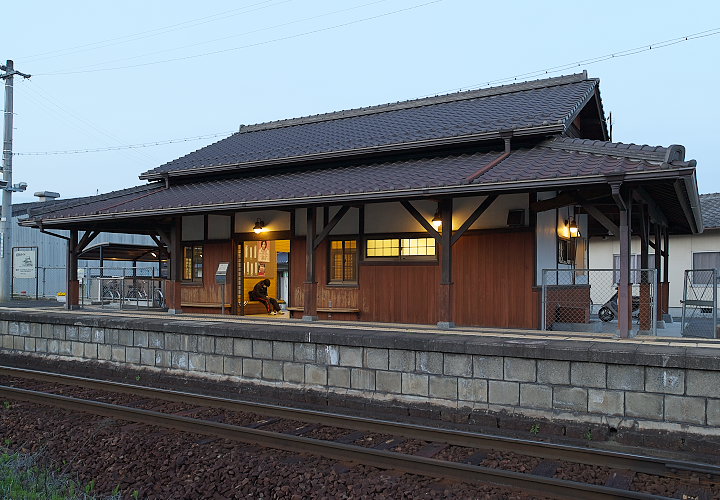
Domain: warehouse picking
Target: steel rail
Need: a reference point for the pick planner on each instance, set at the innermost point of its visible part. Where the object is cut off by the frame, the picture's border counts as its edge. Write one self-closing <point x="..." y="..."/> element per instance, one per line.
<point x="334" y="450"/>
<point x="550" y="451"/>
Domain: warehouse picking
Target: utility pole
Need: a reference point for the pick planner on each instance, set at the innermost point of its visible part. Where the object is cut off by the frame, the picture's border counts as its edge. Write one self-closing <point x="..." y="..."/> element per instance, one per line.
<point x="6" y="185"/>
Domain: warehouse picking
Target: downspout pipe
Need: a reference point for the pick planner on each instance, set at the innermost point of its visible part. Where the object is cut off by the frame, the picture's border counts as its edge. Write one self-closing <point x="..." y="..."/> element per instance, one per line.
<point x="506" y="137"/>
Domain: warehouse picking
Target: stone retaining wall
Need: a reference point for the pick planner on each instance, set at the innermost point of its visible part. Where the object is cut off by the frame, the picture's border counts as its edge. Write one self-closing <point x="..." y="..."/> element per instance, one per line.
<point x="620" y="384"/>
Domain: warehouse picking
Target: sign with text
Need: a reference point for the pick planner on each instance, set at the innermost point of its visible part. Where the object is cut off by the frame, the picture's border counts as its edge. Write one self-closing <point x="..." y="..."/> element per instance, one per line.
<point x="24" y="263"/>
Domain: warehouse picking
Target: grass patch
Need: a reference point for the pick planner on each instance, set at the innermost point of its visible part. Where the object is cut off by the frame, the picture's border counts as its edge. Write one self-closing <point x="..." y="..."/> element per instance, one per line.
<point x="22" y="477"/>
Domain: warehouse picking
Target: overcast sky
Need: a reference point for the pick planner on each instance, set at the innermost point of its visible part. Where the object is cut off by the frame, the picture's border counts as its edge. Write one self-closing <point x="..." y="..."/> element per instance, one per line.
<point x="108" y="74"/>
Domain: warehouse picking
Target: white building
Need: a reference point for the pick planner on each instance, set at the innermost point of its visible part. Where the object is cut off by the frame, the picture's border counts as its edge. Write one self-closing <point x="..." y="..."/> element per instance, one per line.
<point x="693" y="251"/>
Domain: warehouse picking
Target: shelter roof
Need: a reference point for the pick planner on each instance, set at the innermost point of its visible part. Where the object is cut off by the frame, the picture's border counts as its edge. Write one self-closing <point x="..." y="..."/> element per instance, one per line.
<point x="123" y="251"/>
<point x="552" y="164"/>
<point x="710" y="204"/>
<point x="530" y="108"/>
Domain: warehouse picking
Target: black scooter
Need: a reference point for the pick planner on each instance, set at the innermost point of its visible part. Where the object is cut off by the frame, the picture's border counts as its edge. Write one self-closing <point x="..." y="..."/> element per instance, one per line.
<point x="609" y="311"/>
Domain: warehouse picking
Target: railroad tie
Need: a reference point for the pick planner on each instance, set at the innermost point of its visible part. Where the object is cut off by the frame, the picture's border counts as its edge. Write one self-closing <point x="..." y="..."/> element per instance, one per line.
<point x="261" y="423"/>
<point x="476" y="458"/>
<point x="546" y="468"/>
<point x="350" y="438"/>
<point x="620" y="479"/>
<point x="430" y="450"/>
<point x="389" y="444"/>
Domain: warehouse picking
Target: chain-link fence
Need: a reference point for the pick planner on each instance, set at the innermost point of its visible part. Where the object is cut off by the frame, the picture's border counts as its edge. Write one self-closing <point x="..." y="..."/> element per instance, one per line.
<point x="586" y="300"/>
<point x="700" y="304"/>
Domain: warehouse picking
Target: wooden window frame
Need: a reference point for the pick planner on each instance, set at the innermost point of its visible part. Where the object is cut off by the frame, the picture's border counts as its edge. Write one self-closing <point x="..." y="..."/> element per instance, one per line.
<point x="400" y="258"/>
<point x="343" y="282"/>
<point x="194" y="267"/>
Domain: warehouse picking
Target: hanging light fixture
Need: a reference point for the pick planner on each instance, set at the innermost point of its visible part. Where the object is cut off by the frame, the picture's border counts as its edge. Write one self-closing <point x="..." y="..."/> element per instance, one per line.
<point x="436" y="221"/>
<point x="259" y="226"/>
<point x="573" y="227"/>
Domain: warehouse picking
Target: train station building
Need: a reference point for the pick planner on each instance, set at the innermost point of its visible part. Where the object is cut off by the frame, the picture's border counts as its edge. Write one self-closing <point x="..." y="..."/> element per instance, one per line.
<point x="447" y="210"/>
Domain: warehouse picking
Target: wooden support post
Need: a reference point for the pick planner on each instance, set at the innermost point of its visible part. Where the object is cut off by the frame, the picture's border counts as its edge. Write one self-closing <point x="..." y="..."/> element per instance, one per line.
<point x="173" y="286"/>
<point x="310" y="285"/>
<point x="645" y="285"/>
<point x="624" y="298"/>
<point x="446" y="292"/>
<point x="658" y="280"/>
<point x="72" y="297"/>
<point x="665" y="296"/>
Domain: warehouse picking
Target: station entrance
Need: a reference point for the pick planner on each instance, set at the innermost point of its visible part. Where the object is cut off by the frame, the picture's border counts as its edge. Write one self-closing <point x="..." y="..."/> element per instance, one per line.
<point x="260" y="260"/>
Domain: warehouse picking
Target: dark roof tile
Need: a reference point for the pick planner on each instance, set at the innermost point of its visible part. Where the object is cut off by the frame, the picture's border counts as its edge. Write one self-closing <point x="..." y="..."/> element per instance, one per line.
<point x="519" y="106"/>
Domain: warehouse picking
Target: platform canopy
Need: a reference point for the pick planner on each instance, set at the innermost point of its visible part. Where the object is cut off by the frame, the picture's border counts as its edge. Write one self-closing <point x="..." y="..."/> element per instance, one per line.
<point x="124" y="252"/>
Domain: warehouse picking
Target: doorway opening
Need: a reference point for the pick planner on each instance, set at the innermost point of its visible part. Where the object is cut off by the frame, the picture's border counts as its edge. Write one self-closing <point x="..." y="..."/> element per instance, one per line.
<point x="260" y="260"/>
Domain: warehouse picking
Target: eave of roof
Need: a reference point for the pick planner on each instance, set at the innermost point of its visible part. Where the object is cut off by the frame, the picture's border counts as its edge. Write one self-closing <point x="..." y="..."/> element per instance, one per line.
<point x="553" y="164"/>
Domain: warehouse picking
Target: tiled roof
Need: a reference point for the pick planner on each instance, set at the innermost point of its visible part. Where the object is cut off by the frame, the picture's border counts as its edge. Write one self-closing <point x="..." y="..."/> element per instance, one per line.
<point x="710" y="206"/>
<point x="530" y="106"/>
<point x="547" y="164"/>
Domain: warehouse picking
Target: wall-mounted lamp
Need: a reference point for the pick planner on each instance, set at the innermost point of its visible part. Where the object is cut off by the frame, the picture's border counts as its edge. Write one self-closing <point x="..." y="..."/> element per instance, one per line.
<point x="259" y="226"/>
<point x="436" y="221"/>
<point x="573" y="227"/>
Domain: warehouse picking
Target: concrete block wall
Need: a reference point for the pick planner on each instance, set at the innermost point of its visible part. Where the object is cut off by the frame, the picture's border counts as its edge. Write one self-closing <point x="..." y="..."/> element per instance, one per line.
<point x="662" y="388"/>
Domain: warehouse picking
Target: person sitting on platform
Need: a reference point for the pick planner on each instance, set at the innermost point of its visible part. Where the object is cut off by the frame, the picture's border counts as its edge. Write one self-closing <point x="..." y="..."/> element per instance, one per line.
<point x="260" y="293"/>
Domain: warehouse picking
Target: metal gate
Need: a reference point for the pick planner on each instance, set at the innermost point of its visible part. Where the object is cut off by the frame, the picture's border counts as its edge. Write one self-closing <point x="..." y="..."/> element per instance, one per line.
<point x="700" y="304"/>
<point x="585" y="300"/>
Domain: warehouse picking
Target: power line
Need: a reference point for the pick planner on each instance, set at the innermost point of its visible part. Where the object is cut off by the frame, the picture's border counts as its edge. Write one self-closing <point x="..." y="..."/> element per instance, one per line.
<point x="128" y="146"/>
<point x="586" y="62"/>
<point x="153" y="32"/>
<point x="550" y="70"/>
<point x="236" y="35"/>
<point x="266" y="42"/>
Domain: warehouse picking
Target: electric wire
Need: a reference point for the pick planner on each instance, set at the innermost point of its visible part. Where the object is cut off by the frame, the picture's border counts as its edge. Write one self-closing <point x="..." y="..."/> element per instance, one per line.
<point x="43" y="99"/>
<point x="549" y="70"/>
<point x="127" y="146"/>
<point x="151" y="33"/>
<point x="252" y="45"/>
<point x="236" y="35"/>
<point x="587" y="62"/>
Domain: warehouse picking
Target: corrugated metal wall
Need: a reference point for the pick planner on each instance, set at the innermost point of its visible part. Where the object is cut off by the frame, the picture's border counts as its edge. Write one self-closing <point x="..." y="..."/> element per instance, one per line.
<point x="52" y="255"/>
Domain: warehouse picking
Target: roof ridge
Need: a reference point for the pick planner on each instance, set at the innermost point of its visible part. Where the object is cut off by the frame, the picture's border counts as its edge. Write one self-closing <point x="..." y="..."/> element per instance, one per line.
<point x="625" y="150"/>
<point x="419" y="102"/>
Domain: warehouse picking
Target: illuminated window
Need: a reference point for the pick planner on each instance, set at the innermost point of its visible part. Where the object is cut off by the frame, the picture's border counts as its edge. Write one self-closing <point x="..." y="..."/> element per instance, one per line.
<point x="343" y="261"/>
<point x="402" y="248"/>
<point x="193" y="263"/>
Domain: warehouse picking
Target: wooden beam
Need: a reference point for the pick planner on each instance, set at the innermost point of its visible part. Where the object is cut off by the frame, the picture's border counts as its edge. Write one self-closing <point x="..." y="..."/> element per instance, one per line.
<point x="685" y="206"/>
<point x="473" y="217"/>
<point x="330" y="225"/>
<point x="87" y="238"/>
<point x="656" y="214"/>
<point x="562" y="200"/>
<point x="596" y="214"/>
<point x="418" y="217"/>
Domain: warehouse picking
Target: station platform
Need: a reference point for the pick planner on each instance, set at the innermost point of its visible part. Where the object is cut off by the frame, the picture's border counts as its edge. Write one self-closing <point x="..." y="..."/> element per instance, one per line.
<point x="644" y="384"/>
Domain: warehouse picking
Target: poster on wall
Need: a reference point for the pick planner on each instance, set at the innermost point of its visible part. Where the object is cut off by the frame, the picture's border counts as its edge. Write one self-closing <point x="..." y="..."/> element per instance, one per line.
<point x="24" y="262"/>
<point x="261" y="270"/>
<point x="263" y="252"/>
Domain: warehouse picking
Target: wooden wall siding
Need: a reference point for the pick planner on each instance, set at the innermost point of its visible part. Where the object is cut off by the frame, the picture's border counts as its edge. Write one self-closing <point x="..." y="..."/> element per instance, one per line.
<point x="327" y="295"/>
<point x="213" y="254"/>
<point x="493" y="275"/>
<point x="399" y="294"/>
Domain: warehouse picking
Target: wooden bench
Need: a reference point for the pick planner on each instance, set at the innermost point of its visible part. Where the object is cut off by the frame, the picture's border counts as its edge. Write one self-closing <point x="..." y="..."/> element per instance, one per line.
<point x="256" y="307"/>
<point x="203" y="304"/>
<point x="328" y="309"/>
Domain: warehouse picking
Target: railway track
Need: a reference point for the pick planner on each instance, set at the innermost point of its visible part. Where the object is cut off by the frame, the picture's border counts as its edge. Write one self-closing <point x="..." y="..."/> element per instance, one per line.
<point x="623" y="465"/>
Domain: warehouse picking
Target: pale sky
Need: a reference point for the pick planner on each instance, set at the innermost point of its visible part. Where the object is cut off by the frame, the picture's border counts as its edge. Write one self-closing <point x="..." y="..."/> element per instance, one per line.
<point x="99" y="80"/>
